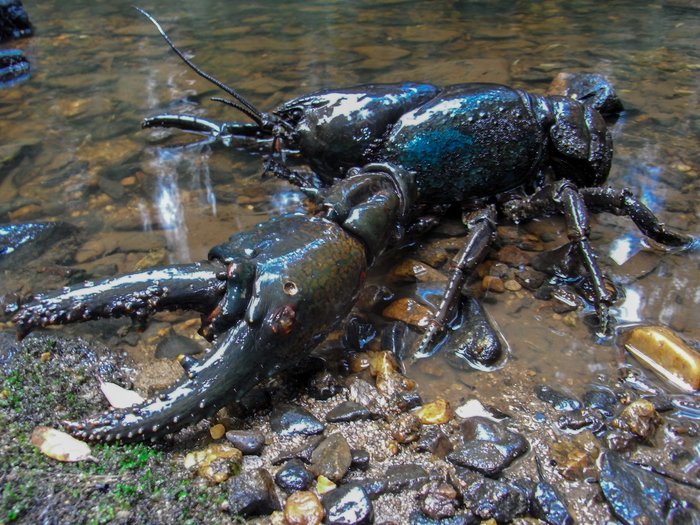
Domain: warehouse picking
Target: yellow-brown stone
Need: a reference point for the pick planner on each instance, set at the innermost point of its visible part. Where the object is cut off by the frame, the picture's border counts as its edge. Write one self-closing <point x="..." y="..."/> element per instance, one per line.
<point x="436" y="413"/>
<point x="303" y="508"/>
<point x="660" y="350"/>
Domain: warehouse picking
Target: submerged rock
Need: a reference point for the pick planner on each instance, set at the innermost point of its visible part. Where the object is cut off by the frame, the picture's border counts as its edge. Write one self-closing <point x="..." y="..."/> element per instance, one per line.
<point x="14" y="21"/>
<point x="557" y="399"/>
<point x="666" y="354"/>
<point x="634" y="494"/>
<point x="488" y="447"/>
<point x="23" y="242"/>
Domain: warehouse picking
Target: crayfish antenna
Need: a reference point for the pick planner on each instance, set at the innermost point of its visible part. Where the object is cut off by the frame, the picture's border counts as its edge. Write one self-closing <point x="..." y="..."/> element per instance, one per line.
<point x="241" y="103"/>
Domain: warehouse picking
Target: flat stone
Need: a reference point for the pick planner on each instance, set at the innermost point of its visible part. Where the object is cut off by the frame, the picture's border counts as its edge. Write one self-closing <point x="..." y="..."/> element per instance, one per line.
<point x="488" y="447"/>
<point x="634" y="494"/>
<point x="288" y="420"/>
<point x="348" y="411"/>
<point x="247" y="441"/>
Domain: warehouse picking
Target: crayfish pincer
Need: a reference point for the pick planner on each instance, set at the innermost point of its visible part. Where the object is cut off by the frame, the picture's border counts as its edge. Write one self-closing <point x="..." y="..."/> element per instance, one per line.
<point x="267" y="296"/>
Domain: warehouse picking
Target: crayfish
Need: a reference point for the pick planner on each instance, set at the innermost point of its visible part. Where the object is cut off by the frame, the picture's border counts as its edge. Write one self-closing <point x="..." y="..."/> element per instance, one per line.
<point x="387" y="161"/>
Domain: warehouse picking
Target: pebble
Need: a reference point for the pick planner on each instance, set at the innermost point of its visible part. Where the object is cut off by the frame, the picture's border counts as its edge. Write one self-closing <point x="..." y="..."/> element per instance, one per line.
<point x="252" y="493"/>
<point x="512" y="256"/>
<point x="217" y="431"/>
<point x="289" y="420"/>
<point x="348" y="411"/>
<point x="437" y="412"/>
<point x="360" y="459"/>
<point x="488" y="447"/>
<point x="600" y="400"/>
<point x="663" y="352"/>
<point x="303" y="508"/>
<point x="323" y="385"/>
<point x="439" y="500"/>
<point x="324" y="485"/>
<point x="434" y="440"/>
<point x="294" y="476"/>
<point x="247" y="441"/>
<point x="418" y="518"/>
<point x="639" y="417"/>
<point x="358" y="333"/>
<point x="530" y="279"/>
<point x="348" y="505"/>
<point x="549" y="506"/>
<point x="634" y="494"/>
<point x="491" y="283"/>
<point x="406" y="428"/>
<point x="409" y="311"/>
<point x="411" y="270"/>
<point x="491" y="499"/>
<point x="557" y="399"/>
<point x="172" y="345"/>
<point x="302" y="452"/>
<point x="575" y="458"/>
<point x="512" y="285"/>
<point x="331" y="458"/>
<point x="216" y="463"/>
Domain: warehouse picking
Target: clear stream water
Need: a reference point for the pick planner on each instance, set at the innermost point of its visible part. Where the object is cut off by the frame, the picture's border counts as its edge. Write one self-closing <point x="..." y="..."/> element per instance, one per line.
<point x="71" y="147"/>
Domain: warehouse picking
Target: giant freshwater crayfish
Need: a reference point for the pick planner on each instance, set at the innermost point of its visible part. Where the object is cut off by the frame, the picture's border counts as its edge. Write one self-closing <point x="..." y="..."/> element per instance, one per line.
<point x="386" y="159"/>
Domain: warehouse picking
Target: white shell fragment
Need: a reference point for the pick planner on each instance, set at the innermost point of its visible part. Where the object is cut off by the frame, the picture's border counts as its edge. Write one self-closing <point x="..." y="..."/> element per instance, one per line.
<point x="60" y="446"/>
<point x="118" y="396"/>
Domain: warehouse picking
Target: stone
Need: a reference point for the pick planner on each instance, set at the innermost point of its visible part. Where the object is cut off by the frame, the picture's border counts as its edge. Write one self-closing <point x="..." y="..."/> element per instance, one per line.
<point x="557" y="399"/>
<point x="660" y="350"/>
<point x="323" y="385"/>
<point x="434" y="440"/>
<point x="294" y="476"/>
<point x="437" y="412"/>
<point x="216" y="463"/>
<point x="576" y="458"/>
<point x="303" y="508"/>
<point x="331" y="458"/>
<point x="634" y="494"/>
<point x="491" y="283"/>
<point x="360" y="459"/>
<point x="302" y="452"/>
<point x="348" y="411"/>
<point x="409" y="311"/>
<point x="252" y="493"/>
<point x="548" y="505"/>
<point x="288" y="420"/>
<point x="488" y="447"/>
<point x="639" y="417"/>
<point x="439" y="500"/>
<point x="247" y="441"/>
<point x="491" y="499"/>
<point x="348" y="505"/>
<point x="406" y="428"/>
<point x="600" y="400"/>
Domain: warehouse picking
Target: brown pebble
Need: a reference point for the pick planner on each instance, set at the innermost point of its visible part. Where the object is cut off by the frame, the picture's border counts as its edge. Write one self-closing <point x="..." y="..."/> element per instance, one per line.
<point x="408" y="311"/>
<point x="128" y="181"/>
<point x="45" y="356"/>
<point x="406" y="428"/>
<point x="512" y="256"/>
<point x="491" y="283"/>
<point x="303" y="508"/>
<point x="217" y="431"/>
<point x="512" y="285"/>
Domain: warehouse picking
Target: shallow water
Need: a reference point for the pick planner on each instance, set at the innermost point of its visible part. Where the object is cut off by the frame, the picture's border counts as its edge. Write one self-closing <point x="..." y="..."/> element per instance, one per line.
<point x="71" y="147"/>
